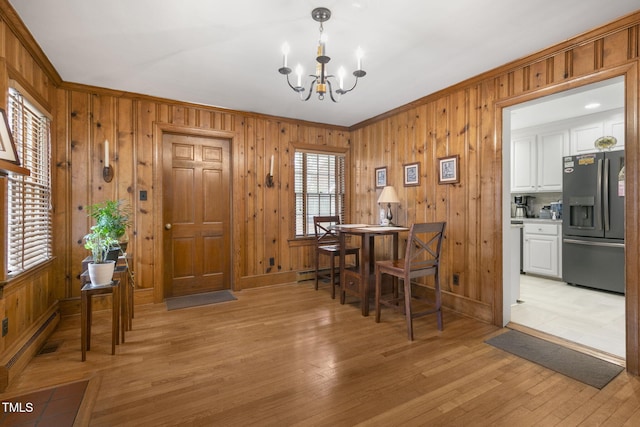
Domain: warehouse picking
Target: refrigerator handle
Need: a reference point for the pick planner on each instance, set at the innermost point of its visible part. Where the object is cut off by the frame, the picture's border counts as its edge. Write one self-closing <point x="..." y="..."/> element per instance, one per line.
<point x="605" y="188"/>
<point x="598" y="206"/>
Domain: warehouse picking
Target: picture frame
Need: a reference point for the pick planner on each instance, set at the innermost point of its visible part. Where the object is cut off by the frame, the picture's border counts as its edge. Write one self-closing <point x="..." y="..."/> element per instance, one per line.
<point x="8" y="150"/>
<point x="381" y="177"/>
<point x="448" y="172"/>
<point x="411" y="174"/>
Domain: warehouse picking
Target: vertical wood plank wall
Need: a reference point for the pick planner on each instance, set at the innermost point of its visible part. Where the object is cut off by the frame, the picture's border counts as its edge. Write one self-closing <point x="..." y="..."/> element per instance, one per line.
<point x="463" y="119"/>
<point x="466" y="120"/>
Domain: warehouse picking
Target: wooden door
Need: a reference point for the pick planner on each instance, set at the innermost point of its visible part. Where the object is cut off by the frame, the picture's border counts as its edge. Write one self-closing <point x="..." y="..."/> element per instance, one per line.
<point x="196" y="214"/>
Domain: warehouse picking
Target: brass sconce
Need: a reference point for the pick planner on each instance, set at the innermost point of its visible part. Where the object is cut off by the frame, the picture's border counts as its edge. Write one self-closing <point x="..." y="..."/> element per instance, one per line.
<point x="107" y="170"/>
<point x="269" y="179"/>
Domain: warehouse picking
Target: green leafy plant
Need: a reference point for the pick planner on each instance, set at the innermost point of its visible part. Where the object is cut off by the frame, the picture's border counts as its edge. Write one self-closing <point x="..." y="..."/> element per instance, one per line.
<point x="112" y="218"/>
<point x="99" y="243"/>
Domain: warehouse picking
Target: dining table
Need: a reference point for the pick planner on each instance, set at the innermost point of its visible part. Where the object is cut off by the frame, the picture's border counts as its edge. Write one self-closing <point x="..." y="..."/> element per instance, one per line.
<point x="359" y="280"/>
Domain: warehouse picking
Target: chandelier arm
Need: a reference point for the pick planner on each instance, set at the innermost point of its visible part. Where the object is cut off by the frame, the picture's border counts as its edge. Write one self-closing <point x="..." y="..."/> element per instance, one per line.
<point x="313" y="82"/>
<point x="342" y="92"/>
<point x="295" y="88"/>
<point x="331" y="89"/>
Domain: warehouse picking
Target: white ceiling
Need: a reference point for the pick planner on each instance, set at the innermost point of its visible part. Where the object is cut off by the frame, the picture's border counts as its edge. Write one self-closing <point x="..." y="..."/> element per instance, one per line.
<point x="589" y="99"/>
<point x="227" y="54"/>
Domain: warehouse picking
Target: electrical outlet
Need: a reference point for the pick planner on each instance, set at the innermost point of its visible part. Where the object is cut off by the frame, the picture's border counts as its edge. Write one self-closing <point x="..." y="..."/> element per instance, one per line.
<point x="456" y="279"/>
<point x="272" y="261"/>
<point x="143" y="195"/>
<point x="5" y="326"/>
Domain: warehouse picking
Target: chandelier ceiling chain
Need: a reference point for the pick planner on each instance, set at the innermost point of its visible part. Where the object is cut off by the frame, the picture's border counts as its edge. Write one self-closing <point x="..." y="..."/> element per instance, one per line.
<point x="321" y="80"/>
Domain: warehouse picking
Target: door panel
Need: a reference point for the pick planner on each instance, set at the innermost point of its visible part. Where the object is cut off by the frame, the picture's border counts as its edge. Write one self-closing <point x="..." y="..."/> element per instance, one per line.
<point x="196" y="211"/>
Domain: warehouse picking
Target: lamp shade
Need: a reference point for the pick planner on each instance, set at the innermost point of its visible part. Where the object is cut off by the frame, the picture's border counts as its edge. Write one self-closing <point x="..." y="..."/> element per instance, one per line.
<point x="388" y="195"/>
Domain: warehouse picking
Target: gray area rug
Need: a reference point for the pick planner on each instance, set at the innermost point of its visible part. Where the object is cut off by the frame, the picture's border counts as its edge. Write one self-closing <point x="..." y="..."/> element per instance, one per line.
<point x="199" y="299"/>
<point x="579" y="366"/>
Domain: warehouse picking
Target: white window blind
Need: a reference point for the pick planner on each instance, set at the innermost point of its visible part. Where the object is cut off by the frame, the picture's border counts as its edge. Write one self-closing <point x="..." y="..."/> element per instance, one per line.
<point x="29" y="197"/>
<point x="319" y="188"/>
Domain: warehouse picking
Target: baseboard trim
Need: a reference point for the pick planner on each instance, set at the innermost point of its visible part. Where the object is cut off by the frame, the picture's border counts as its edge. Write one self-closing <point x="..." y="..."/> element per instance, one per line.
<point x="15" y="359"/>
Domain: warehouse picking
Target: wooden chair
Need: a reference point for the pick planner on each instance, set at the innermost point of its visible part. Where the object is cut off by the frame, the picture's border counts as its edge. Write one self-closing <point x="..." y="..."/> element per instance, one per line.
<point x="422" y="258"/>
<point x="327" y="243"/>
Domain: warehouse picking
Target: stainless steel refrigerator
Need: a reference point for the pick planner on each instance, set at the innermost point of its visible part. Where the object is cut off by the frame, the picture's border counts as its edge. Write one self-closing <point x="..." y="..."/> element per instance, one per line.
<point x="593" y="220"/>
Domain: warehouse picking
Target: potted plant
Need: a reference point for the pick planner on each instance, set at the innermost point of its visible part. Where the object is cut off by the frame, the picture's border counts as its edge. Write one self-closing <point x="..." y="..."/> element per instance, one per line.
<point x="100" y="243"/>
<point x="112" y="219"/>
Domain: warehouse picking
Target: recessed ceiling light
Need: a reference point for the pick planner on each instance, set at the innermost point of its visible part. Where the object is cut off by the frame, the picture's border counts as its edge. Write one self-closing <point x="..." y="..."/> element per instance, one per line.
<point x="592" y="105"/>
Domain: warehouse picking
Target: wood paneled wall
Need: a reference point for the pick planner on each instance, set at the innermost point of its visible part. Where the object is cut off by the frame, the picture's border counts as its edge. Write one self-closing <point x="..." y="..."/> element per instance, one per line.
<point x="85" y="117"/>
<point x="467" y="120"/>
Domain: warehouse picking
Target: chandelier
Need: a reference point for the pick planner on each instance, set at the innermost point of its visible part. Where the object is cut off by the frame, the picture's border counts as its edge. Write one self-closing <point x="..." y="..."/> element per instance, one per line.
<point x="321" y="79"/>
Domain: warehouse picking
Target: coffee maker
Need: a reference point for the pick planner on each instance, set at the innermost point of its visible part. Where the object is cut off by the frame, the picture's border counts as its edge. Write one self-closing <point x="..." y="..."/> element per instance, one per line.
<point x="522" y="206"/>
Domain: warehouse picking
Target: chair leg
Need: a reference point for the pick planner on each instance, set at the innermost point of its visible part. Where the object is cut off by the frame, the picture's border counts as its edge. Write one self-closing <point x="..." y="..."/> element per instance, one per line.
<point x="438" y="301"/>
<point x="378" y="293"/>
<point x="317" y="263"/>
<point x="407" y="306"/>
<point x="332" y="277"/>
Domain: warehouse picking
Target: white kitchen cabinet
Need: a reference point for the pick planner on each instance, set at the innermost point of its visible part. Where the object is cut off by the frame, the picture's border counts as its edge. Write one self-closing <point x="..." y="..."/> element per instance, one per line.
<point x="536" y="161"/>
<point x="550" y="150"/>
<point x="590" y="128"/>
<point x="523" y="164"/>
<point x="583" y="137"/>
<point x="541" y="249"/>
<point x="614" y="126"/>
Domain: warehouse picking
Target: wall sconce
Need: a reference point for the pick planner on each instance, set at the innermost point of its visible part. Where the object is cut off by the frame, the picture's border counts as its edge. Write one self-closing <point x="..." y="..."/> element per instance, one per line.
<point x="388" y="196"/>
<point x="107" y="170"/>
<point x="269" y="180"/>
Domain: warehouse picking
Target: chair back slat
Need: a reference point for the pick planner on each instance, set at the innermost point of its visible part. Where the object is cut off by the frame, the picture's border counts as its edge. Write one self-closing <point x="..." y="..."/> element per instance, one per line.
<point x="325" y="234"/>
<point x="424" y="246"/>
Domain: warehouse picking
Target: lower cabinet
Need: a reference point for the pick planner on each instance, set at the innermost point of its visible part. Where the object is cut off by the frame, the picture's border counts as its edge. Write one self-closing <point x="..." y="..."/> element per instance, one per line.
<point x="541" y="249"/>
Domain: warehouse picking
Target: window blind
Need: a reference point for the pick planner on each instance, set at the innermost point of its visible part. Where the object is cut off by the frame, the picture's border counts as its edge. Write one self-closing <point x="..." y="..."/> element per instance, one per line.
<point x="29" y="230"/>
<point x="319" y="188"/>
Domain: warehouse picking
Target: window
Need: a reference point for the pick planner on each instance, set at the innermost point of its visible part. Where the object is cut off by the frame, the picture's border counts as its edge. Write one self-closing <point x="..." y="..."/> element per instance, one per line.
<point x="29" y="231"/>
<point x="319" y="188"/>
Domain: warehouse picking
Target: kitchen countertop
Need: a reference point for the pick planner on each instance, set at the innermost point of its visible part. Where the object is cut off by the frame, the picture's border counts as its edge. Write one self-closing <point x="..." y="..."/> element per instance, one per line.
<point x="537" y="220"/>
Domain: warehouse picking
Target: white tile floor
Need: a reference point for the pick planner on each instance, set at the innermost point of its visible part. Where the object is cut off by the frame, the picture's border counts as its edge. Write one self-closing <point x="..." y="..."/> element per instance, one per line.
<point x="588" y="317"/>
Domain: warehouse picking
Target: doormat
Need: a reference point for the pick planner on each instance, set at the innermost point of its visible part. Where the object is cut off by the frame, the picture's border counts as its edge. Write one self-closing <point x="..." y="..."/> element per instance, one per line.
<point x="199" y="299"/>
<point x="579" y="366"/>
<point x="56" y="406"/>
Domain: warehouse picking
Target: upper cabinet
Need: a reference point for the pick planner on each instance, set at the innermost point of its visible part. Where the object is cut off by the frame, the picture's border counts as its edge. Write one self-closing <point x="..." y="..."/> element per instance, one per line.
<point x="537" y="152"/>
<point x="583" y="136"/>
<point x="536" y="161"/>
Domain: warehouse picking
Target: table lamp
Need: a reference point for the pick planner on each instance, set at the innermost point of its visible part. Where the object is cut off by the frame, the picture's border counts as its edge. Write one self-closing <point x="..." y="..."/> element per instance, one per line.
<point x="388" y="196"/>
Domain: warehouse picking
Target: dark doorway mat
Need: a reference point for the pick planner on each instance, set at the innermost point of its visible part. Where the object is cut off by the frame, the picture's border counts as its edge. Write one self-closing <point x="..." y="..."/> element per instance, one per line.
<point x="199" y="299"/>
<point x="579" y="366"/>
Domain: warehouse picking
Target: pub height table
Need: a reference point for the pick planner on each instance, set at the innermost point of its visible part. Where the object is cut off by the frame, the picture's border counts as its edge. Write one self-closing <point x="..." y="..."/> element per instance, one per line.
<point x="359" y="281"/>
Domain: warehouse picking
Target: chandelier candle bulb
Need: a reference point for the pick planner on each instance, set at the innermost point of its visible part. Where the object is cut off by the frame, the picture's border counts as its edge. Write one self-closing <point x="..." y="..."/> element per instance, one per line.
<point x="106" y="153"/>
<point x="341" y="73"/>
<point x="285" y="52"/>
<point x="299" y="73"/>
<point x="271" y="168"/>
<point x="359" y="55"/>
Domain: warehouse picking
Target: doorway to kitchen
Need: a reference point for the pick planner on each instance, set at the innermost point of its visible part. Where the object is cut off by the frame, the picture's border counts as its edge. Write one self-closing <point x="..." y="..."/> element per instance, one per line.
<point x="537" y="137"/>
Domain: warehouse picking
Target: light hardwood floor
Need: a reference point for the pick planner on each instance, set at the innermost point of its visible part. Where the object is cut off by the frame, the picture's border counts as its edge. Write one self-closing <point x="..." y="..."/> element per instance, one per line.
<point x="288" y="355"/>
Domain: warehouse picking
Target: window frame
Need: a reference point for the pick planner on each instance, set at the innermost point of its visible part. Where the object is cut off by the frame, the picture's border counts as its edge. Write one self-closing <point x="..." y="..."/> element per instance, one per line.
<point x="47" y="151"/>
<point x="317" y="149"/>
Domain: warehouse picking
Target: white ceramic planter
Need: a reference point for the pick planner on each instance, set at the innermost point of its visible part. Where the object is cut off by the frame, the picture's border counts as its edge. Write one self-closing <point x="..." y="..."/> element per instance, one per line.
<point x="101" y="274"/>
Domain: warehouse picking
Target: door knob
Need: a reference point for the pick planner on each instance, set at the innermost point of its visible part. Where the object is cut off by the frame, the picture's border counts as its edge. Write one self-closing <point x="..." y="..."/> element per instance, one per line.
<point x="167" y="226"/>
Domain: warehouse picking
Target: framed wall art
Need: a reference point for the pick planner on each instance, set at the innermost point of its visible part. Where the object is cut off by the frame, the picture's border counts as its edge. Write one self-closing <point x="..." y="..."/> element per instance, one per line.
<point x="381" y="177"/>
<point x="8" y="150"/>
<point x="448" y="169"/>
<point x="411" y="174"/>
